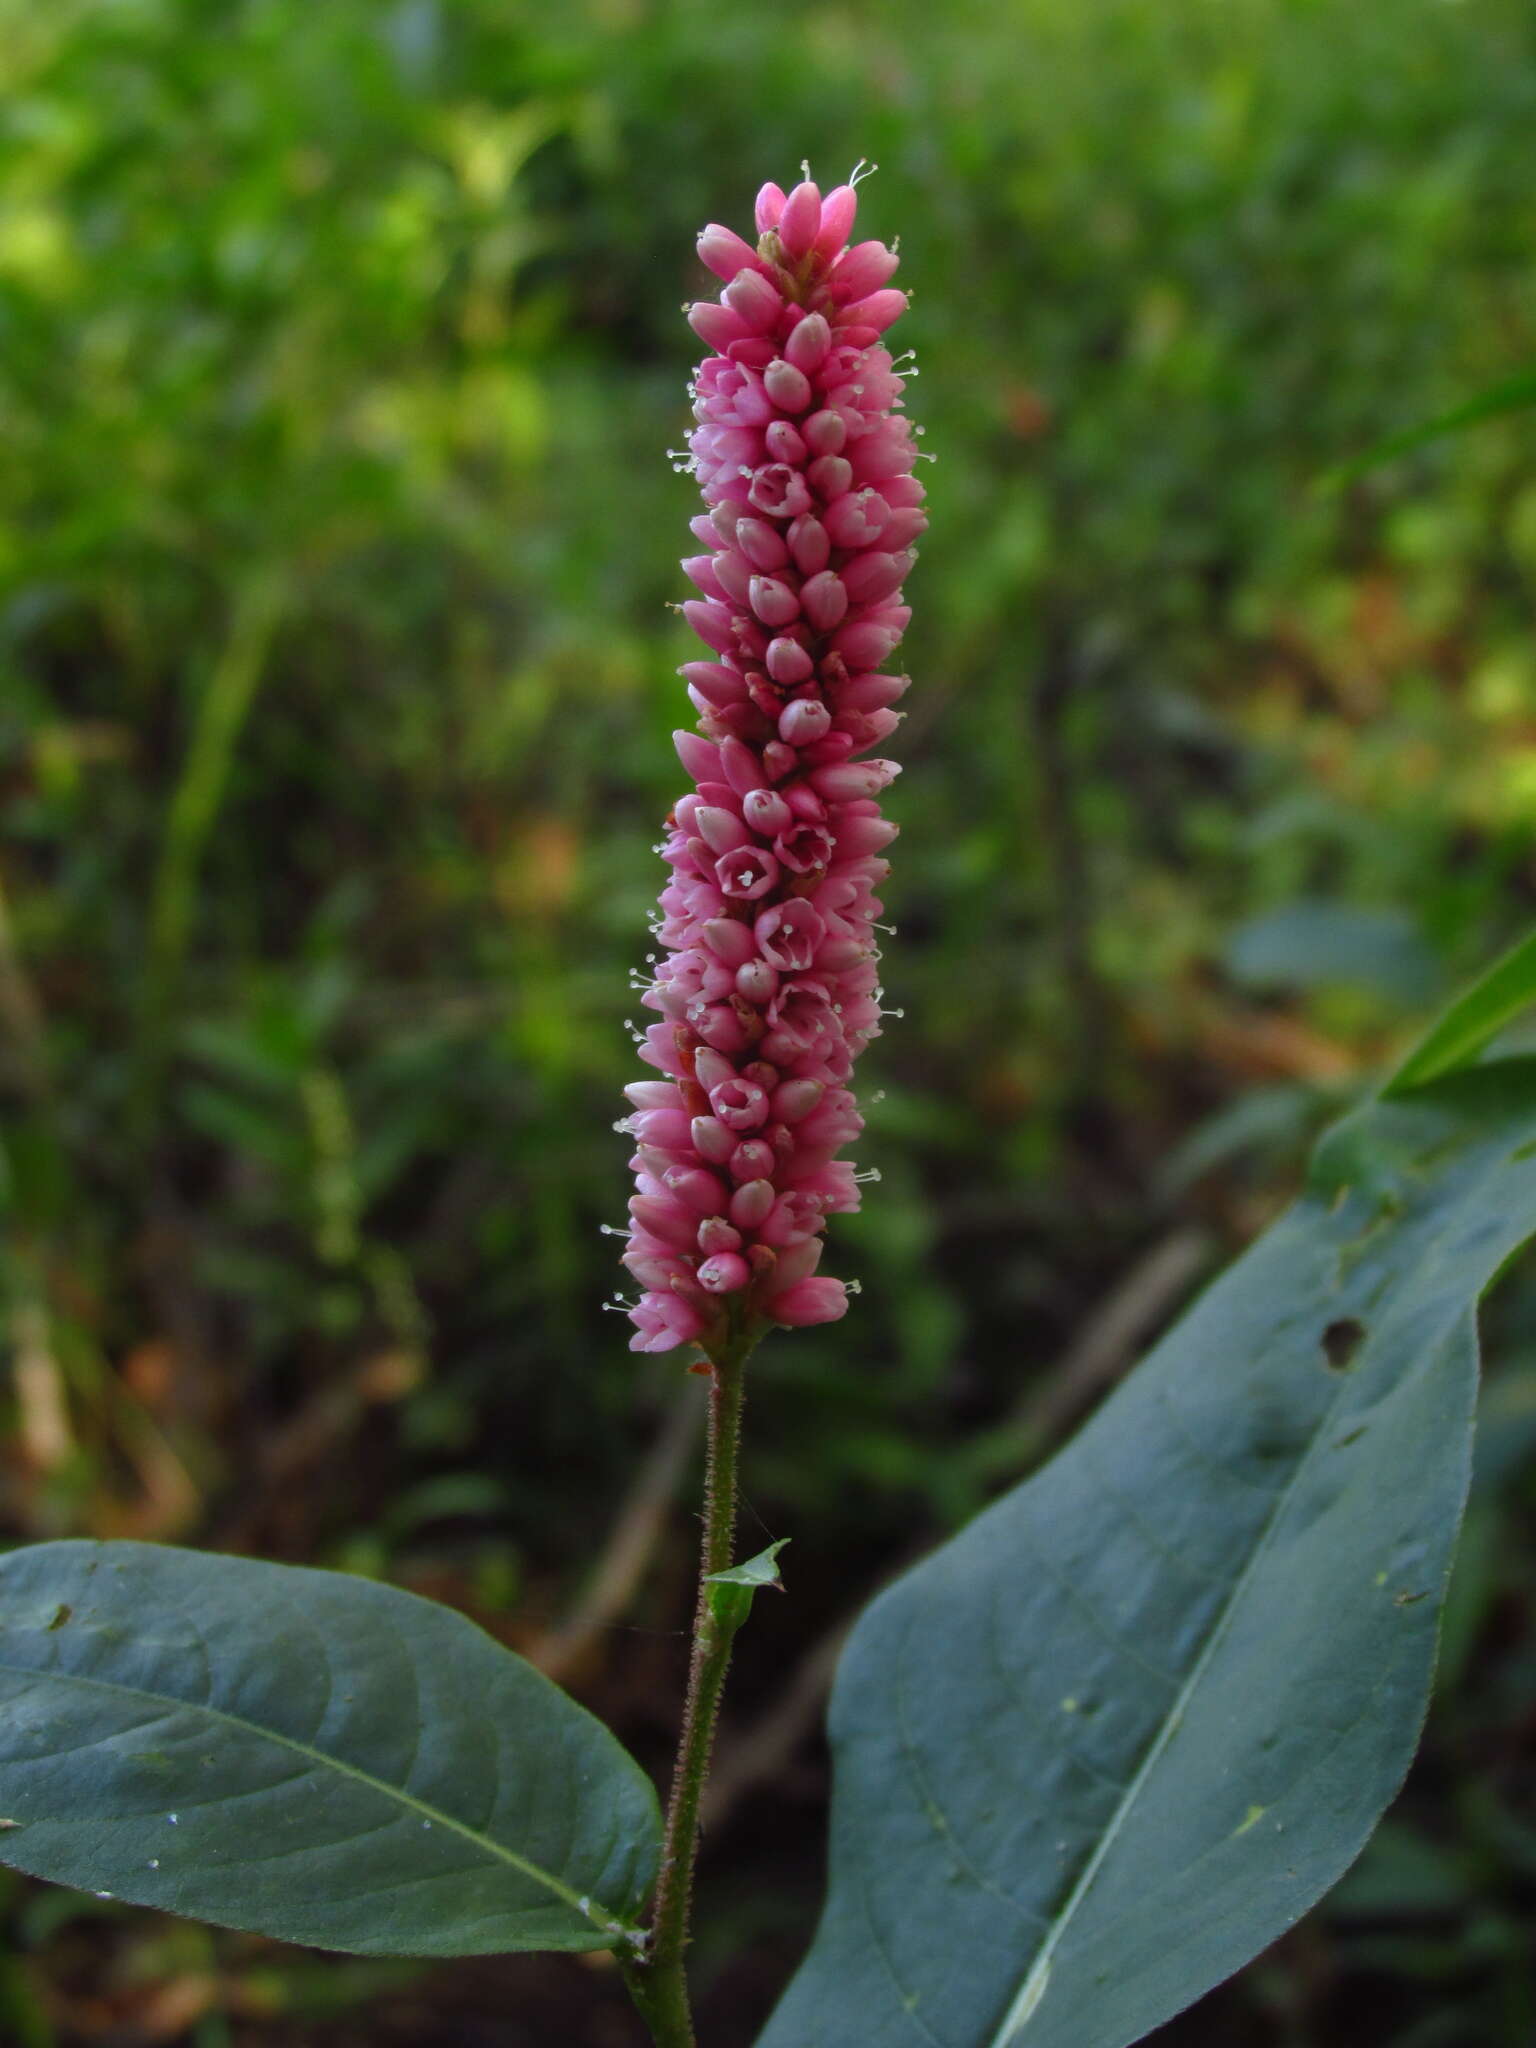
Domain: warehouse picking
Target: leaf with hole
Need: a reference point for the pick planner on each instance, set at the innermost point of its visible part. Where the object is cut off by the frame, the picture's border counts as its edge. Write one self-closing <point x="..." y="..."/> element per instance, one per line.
<point x="305" y="1755"/>
<point x="1129" y="1725"/>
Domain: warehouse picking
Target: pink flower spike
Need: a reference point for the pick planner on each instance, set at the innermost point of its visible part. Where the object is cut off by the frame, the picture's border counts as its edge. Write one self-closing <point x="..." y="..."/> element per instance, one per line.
<point x="767" y="985"/>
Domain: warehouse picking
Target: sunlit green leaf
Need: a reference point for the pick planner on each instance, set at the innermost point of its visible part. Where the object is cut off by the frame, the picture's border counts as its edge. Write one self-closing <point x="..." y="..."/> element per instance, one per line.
<point x="1474" y="1020"/>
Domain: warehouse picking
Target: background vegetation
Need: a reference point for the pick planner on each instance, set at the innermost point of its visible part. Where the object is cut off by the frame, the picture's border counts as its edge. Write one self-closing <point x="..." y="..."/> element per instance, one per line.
<point x="339" y="349"/>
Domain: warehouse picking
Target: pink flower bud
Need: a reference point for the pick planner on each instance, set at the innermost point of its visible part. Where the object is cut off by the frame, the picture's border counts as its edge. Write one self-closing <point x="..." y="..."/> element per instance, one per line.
<point x="829" y="476"/>
<point x="652" y="1094"/>
<point x="703" y="1193"/>
<point x="809" y="341"/>
<point x="712" y="1070"/>
<point x="874" y="576"/>
<point x="773" y="601"/>
<point x="858" y="836"/>
<point x="716" y="1235"/>
<point x="789" y="388"/>
<point x="825" y="432"/>
<point x="865" y="643"/>
<point x="718" y="686"/>
<point x="726" y="1273"/>
<point x="751" y="1203"/>
<point x="753" y="299"/>
<point x="717" y="325"/>
<point x="800" y="221"/>
<point x="802" y="721"/>
<point x="793" y="1100"/>
<point x="877" y="311"/>
<point x="784" y="444"/>
<point x="809" y="545"/>
<point x="816" y="1300"/>
<point x="766" y="811"/>
<point x="742" y="769"/>
<point x="713" y="1140"/>
<point x="788" y="662"/>
<point x="756" y="983"/>
<point x="724" y="252"/>
<point x="752" y="1160"/>
<point x="824" y="600"/>
<point x="762" y="544"/>
<point x="873" y="693"/>
<point x="729" y="941"/>
<point x="698" y="757"/>
<point x="853" y="780"/>
<point x="837" y="212"/>
<point x="721" y="830"/>
<point x="862" y="270"/>
<point x="770" y="204"/>
<point x="665" y="1220"/>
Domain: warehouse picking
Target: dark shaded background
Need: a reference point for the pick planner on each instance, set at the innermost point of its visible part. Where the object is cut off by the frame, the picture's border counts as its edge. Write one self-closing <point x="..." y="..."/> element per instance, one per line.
<point x="340" y="350"/>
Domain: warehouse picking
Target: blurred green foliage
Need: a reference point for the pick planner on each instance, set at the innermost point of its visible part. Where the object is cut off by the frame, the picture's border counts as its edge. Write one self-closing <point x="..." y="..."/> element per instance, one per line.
<point x="339" y="349"/>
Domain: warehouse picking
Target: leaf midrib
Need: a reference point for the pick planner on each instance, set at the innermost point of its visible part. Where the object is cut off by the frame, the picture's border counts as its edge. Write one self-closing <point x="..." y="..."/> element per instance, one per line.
<point x="589" y="1909"/>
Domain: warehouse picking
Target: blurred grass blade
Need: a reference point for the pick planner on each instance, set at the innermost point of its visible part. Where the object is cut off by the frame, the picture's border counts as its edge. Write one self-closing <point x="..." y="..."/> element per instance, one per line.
<point x="219" y="719"/>
<point x="305" y="1755"/>
<point x="1513" y="394"/>
<point x="1122" y="1731"/>
<point x="1473" y="1020"/>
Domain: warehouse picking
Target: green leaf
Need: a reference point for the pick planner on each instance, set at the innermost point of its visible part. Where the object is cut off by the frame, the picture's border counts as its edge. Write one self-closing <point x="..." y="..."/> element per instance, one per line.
<point x="731" y="1592"/>
<point x="1511" y="394"/>
<point x="1124" y="1729"/>
<point x="1474" y="1020"/>
<point x="762" y="1570"/>
<point x="305" y="1755"/>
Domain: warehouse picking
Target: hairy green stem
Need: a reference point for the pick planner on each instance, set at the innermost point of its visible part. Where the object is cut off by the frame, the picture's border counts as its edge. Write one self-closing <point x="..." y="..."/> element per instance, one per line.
<point x="657" y="1982"/>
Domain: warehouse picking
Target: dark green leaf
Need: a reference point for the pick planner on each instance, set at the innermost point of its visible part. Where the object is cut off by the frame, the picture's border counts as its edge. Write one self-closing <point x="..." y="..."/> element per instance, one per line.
<point x="1123" y="1730"/>
<point x="305" y="1755"/>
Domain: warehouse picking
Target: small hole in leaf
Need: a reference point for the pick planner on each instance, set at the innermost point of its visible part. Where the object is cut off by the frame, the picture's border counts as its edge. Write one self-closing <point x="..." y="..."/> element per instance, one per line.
<point x="1340" y="1341"/>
